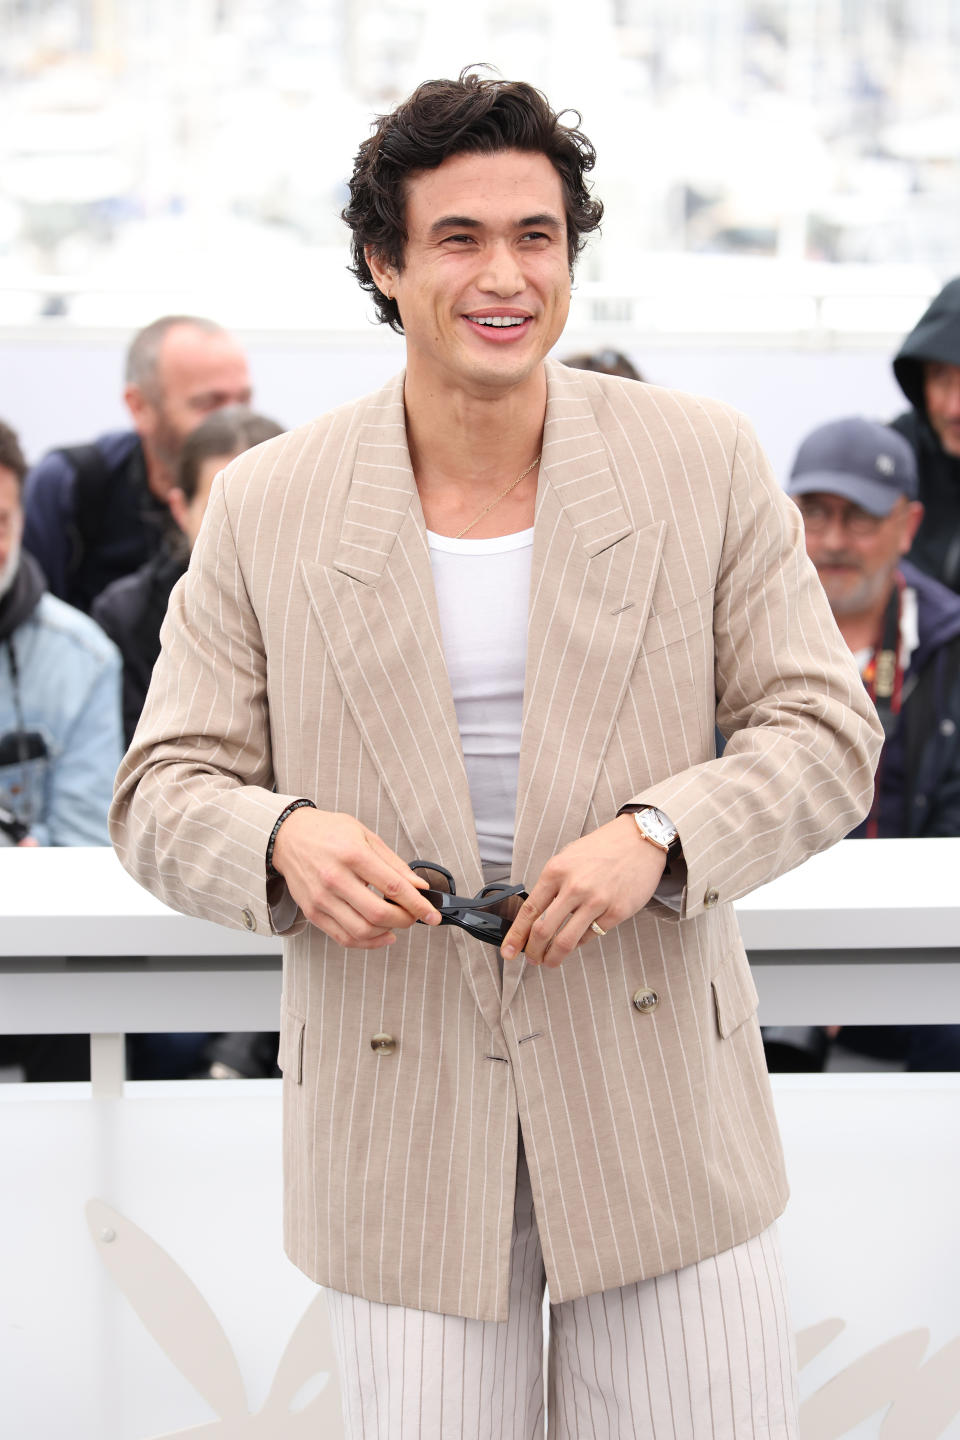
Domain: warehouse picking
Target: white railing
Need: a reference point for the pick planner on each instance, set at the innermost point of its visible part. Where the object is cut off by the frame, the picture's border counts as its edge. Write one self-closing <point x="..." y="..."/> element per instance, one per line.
<point x="866" y="933"/>
<point x="110" y="1326"/>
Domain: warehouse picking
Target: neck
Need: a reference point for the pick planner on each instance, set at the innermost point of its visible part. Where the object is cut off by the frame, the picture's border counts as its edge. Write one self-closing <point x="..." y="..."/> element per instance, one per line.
<point x="862" y="629"/>
<point x="472" y="443"/>
<point x="159" y="473"/>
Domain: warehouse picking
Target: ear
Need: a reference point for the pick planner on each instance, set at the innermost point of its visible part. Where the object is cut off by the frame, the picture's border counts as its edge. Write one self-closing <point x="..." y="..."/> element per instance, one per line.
<point x="142" y="412"/>
<point x="179" y="505"/>
<point x="384" y="276"/>
<point x="911" y="525"/>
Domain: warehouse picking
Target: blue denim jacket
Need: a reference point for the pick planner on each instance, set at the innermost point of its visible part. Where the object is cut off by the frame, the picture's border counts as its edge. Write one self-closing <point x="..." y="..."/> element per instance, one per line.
<point x="66" y="705"/>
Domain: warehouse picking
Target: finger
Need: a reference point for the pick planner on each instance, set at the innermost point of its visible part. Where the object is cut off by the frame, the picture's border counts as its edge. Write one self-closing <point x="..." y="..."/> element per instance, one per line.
<point x="373" y="909"/>
<point x="515" y="940"/>
<point x="572" y="933"/>
<point x="391" y="858"/>
<point x="397" y="885"/>
<point x="544" y="928"/>
<point x="348" y="930"/>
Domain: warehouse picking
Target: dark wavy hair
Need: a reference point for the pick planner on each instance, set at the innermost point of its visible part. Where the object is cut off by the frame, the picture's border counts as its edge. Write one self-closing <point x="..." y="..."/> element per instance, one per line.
<point x="471" y="114"/>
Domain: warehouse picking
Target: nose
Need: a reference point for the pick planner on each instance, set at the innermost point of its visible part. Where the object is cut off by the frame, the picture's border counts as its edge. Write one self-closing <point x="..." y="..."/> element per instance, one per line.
<point x="833" y="535"/>
<point x="501" y="274"/>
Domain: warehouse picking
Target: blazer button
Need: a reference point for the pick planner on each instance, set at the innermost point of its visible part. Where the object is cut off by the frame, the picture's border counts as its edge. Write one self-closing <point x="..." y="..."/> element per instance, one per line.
<point x="645" y="1000"/>
<point x="383" y="1044"/>
<point x="248" y="918"/>
<point x="711" y="898"/>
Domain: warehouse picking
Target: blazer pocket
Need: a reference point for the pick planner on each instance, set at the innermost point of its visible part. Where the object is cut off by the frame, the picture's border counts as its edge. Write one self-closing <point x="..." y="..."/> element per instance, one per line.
<point x="668" y="626"/>
<point x="290" y="1053"/>
<point x="734" y="994"/>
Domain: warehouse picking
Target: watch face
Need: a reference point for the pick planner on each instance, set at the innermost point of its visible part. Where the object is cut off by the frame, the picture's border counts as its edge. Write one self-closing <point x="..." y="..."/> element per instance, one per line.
<point x="657" y="826"/>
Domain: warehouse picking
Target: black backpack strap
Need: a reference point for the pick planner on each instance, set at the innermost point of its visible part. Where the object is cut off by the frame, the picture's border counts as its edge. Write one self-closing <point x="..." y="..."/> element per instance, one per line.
<point x="91" y="491"/>
<point x="920" y="717"/>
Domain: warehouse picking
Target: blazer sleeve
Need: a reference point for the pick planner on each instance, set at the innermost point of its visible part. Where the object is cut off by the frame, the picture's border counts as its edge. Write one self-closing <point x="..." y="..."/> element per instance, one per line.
<point x="194" y="802"/>
<point x="802" y="736"/>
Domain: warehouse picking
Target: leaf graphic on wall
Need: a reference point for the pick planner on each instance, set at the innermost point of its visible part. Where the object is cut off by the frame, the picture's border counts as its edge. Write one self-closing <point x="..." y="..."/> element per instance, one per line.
<point x="815" y="1338"/>
<point x="171" y="1307"/>
<point x="863" y="1388"/>
<point x="303" y="1403"/>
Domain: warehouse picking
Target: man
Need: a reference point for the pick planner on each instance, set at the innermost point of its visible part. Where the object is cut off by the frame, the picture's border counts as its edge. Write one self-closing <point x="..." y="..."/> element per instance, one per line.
<point x="855" y="483"/>
<point x="928" y="371"/>
<point x="60" y="739"/>
<point x="59" y="696"/>
<point x="478" y="620"/>
<point x="131" y="609"/>
<point x="96" y="512"/>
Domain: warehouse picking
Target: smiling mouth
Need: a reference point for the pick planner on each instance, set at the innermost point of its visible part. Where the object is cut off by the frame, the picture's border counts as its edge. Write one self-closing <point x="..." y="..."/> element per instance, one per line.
<point x="499" y="322"/>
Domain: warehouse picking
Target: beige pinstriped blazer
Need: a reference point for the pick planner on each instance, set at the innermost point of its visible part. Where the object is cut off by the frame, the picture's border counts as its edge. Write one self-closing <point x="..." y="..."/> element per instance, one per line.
<point x="302" y="651"/>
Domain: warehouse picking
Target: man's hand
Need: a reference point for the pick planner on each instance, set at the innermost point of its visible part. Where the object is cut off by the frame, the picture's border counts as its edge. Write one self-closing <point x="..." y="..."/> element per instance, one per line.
<point x="330" y="862"/>
<point x="603" y="878"/>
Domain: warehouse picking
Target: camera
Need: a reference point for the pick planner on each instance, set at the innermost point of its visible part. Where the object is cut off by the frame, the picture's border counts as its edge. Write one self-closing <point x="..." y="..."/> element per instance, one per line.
<point x="12" y="826"/>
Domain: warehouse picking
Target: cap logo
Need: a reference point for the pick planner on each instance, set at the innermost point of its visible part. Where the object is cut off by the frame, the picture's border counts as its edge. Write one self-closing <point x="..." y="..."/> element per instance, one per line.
<point x="886" y="464"/>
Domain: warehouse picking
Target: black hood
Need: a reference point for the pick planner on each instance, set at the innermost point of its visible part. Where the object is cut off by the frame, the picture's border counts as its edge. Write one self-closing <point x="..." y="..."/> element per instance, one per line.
<point x="936" y="336"/>
<point x="23" y="597"/>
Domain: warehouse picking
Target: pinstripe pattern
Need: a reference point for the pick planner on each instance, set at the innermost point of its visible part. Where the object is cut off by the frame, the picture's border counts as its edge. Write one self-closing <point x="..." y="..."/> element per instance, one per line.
<point x="302" y="651"/>
<point x="703" y="1353"/>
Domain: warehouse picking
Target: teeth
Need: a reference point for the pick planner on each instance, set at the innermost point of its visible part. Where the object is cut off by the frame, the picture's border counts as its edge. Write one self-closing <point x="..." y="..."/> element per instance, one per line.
<point x="498" y="320"/>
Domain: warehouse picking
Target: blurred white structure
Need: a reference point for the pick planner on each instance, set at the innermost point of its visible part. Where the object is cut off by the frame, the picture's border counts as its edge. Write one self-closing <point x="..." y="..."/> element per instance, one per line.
<point x="147" y="150"/>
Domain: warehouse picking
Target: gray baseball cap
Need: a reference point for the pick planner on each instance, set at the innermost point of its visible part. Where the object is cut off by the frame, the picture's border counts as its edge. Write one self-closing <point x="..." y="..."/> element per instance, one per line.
<point x="862" y="460"/>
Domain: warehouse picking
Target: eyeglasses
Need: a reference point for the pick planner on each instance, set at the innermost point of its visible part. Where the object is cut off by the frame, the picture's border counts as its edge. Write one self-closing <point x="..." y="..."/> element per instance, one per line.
<point x="817" y="516"/>
<point x="486" y="916"/>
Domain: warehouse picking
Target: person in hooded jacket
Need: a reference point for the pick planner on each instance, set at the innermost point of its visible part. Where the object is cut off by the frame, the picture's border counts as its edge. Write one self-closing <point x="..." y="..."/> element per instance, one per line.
<point x="927" y="369"/>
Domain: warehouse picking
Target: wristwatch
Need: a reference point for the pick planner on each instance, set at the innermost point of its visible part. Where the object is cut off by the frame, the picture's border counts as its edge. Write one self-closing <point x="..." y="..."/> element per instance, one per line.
<point x="656" y="827"/>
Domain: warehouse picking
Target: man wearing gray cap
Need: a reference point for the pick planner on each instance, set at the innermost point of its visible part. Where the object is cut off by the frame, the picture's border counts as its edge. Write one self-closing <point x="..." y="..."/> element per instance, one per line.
<point x="855" y="483"/>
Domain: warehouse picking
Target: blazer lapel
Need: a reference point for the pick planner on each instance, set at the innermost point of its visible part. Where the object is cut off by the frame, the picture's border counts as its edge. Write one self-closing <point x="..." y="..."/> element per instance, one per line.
<point x="376" y="606"/>
<point x="591" y="589"/>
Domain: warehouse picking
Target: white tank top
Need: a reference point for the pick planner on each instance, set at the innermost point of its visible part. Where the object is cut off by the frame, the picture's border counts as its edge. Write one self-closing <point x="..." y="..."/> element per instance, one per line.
<point x="483" y="595"/>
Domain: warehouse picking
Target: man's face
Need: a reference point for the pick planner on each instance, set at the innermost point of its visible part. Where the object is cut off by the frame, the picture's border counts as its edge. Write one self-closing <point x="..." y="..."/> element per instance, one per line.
<point x="485" y="285"/>
<point x="941" y="392"/>
<point x="197" y="373"/>
<point x="11" y="528"/>
<point x="856" y="553"/>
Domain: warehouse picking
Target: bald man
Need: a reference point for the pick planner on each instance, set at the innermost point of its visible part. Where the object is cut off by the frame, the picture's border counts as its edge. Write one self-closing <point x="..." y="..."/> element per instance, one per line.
<point x="98" y="511"/>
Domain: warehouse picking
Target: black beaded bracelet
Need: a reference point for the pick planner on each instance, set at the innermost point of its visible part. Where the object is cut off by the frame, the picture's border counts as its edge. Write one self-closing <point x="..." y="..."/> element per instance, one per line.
<point x="273" y="874"/>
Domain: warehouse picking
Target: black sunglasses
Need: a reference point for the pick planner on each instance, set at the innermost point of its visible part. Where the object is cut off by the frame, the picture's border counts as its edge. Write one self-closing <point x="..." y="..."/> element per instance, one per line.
<point x="486" y="916"/>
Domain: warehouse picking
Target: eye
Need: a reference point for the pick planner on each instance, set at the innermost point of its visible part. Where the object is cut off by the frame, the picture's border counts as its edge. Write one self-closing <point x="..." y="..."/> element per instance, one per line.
<point x="457" y="239"/>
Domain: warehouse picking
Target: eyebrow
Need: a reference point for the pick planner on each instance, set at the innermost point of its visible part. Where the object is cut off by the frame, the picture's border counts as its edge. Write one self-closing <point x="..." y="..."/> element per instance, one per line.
<point x="545" y="221"/>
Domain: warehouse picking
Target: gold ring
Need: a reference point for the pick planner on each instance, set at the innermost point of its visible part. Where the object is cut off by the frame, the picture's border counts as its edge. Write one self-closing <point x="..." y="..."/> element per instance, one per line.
<point x="596" y="928"/>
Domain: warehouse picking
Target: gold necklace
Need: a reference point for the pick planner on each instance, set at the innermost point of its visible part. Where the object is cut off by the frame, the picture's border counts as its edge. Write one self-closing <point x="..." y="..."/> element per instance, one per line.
<point x="503" y="494"/>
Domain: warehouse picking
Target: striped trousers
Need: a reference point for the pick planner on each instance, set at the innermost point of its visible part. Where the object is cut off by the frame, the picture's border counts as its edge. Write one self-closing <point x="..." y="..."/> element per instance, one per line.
<point x="703" y="1353"/>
